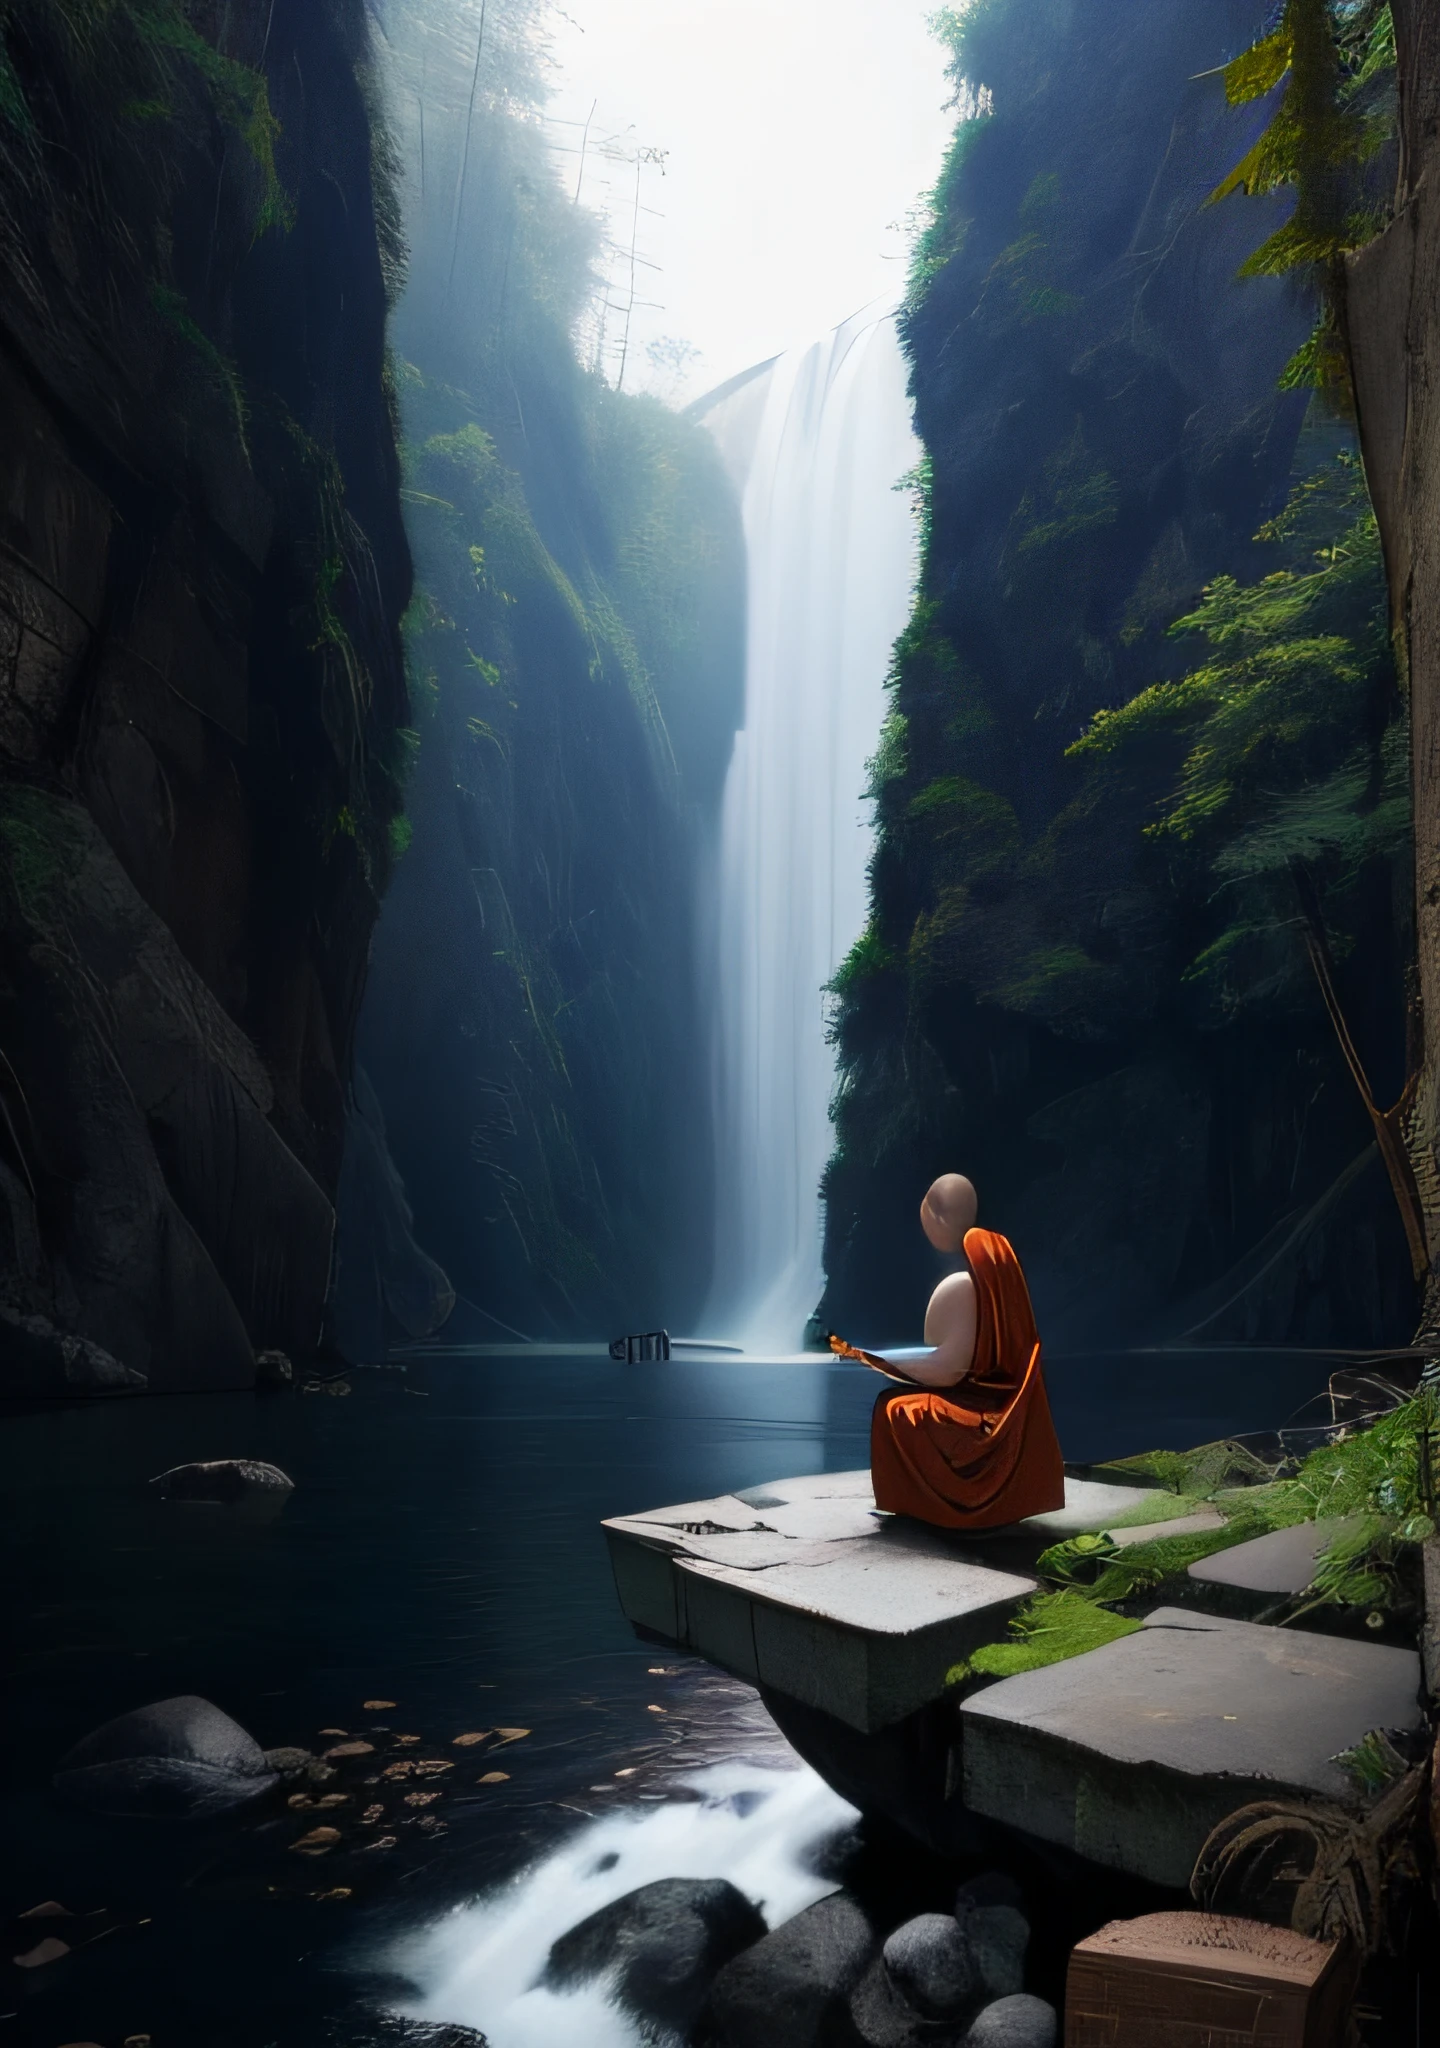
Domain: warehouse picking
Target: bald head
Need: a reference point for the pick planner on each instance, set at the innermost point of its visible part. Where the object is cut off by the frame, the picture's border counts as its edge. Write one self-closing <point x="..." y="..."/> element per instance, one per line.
<point x="948" y="1211"/>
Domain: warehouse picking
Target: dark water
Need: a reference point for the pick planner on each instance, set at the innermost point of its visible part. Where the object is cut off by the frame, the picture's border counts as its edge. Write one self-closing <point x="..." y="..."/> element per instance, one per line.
<point x="440" y="1550"/>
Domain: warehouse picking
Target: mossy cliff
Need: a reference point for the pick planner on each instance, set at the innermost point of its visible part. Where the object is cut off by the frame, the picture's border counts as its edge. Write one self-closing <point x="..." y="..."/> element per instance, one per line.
<point x="202" y="576"/>
<point x="1141" y="797"/>
<point x="530" y="1029"/>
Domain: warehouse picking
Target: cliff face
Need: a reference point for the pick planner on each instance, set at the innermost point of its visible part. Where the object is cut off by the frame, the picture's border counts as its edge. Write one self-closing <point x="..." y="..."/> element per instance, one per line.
<point x="530" y="1028"/>
<point x="202" y="572"/>
<point x="1074" y="986"/>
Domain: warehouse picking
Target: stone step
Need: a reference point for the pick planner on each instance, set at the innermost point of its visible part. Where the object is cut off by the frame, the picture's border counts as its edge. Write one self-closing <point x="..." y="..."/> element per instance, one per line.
<point x="1252" y="1577"/>
<point x="802" y="1586"/>
<point x="1131" y="1754"/>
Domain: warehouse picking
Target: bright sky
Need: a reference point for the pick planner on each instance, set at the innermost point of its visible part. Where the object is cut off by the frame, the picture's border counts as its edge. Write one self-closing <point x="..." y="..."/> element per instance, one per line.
<point x="798" y="136"/>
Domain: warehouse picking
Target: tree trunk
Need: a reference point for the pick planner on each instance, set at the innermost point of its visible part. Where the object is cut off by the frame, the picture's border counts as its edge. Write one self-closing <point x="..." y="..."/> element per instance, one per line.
<point x="1393" y="324"/>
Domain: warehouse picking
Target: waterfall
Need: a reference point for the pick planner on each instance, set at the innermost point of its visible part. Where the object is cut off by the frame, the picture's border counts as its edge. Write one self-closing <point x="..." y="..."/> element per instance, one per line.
<point x="831" y="552"/>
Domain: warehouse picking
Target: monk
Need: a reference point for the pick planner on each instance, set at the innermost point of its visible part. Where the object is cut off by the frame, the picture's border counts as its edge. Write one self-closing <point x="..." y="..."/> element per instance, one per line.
<point x="970" y="1443"/>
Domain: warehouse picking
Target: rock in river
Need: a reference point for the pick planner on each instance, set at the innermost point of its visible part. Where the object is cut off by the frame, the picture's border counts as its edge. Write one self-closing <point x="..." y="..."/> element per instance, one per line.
<point x="222" y="1479"/>
<point x="793" y="1987"/>
<point x="1018" y="2022"/>
<point x="181" y="1757"/>
<point x="930" y="1964"/>
<point x="665" y="1942"/>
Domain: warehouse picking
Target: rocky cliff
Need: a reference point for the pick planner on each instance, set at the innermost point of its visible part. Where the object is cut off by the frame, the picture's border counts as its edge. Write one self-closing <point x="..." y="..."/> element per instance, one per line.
<point x="1092" y="978"/>
<point x="202" y="573"/>
<point x="531" y="1027"/>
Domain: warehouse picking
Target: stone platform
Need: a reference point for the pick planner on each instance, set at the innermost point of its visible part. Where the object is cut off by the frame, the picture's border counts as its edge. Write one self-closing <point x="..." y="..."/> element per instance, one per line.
<point x="1131" y="1754"/>
<point x="805" y="1589"/>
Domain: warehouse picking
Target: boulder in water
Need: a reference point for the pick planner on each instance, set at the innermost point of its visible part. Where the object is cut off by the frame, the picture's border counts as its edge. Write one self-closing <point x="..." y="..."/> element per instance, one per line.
<point x="175" y="1758"/>
<point x="882" y="2016"/>
<point x="794" y="1986"/>
<point x="664" y="1942"/>
<point x="1016" y="2022"/>
<point x="222" y="1479"/>
<point x="930" y="1964"/>
<point x="273" y="1369"/>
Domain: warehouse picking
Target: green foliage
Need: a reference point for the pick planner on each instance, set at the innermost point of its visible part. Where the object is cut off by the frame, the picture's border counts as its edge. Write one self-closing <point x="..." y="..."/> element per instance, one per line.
<point x="1291" y="736"/>
<point x="869" y="956"/>
<point x="888" y="762"/>
<point x="1335" y="115"/>
<point x="1374" y="1763"/>
<point x="1048" y="1629"/>
<point x="144" y="59"/>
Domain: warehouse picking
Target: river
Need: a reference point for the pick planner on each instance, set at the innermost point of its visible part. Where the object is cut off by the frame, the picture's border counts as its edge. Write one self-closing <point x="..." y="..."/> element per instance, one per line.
<point x="440" y="1551"/>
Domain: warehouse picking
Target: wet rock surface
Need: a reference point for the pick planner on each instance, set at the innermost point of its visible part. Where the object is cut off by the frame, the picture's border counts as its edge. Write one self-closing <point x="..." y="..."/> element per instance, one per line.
<point x="177" y="1758"/>
<point x="794" y="1986"/>
<point x="931" y="1965"/>
<point x="665" y="1942"/>
<point x="221" y="1479"/>
<point x="1017" y="2022"/>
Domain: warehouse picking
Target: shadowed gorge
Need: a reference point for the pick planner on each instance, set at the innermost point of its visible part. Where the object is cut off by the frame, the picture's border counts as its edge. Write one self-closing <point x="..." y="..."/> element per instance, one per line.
<point x="720" y="936"/>
<point x="1086" y="972"/>
<point x="202" y="572"/>
<point x="532" y="1029"/>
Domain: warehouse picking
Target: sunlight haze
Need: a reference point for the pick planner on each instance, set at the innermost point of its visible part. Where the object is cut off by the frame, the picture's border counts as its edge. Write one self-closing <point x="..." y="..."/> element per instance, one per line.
<point x="797" y="138"/>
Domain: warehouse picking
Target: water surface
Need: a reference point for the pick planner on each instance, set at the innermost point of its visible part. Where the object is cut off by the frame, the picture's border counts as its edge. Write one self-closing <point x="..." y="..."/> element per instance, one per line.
<point x="440" y="1550"/>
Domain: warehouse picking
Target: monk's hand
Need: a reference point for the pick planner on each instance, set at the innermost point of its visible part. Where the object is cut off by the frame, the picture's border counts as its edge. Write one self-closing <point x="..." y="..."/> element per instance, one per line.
<point x="843" y="1350"/>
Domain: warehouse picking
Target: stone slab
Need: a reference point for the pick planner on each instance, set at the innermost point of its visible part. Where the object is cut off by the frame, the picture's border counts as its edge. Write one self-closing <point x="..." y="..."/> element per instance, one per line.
<point x="802" y="1585"/>
<point x="1282" y="1562"/>
<point x="1131" y="1754"/>
<point x="867" y="1636"/>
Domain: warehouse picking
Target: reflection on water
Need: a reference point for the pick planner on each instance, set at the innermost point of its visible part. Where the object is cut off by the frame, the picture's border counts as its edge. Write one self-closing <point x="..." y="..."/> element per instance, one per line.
<point x="440" y="1550"/>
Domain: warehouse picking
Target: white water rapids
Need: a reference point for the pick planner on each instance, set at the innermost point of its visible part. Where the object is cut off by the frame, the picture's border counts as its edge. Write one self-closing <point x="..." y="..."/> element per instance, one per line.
<point x="481" y="1966"/>
<point x="831" y="556"/>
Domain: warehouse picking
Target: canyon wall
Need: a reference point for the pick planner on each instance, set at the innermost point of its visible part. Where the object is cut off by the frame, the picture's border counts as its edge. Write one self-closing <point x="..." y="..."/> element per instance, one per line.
<point x="1090" y="978"/>
<point x="202" y="575"/>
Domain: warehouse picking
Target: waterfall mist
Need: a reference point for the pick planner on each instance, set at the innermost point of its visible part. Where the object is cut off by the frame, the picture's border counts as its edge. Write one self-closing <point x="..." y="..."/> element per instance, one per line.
<point x="831" y="554"/>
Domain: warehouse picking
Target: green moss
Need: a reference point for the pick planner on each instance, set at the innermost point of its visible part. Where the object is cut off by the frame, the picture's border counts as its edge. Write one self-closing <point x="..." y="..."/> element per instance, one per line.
<point x="867" y="958"/>
<point x="1048" y="1629"/>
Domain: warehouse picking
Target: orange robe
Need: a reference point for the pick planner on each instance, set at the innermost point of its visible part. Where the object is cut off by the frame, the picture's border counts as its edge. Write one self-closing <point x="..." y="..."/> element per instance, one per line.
<point x="983" y="1452"/>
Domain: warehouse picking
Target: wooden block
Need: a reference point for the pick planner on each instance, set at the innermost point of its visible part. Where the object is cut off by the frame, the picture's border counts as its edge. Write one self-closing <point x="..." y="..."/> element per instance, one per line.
<point x="1205" y="1980"/>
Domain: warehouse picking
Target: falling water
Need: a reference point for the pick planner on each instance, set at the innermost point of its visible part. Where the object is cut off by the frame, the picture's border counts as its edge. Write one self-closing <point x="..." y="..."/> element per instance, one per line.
<point x="831" y="549"/>
<point x="483" y="1966"/>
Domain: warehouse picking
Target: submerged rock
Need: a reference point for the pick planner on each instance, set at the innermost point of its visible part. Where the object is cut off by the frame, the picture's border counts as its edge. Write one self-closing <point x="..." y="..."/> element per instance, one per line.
<point x="221" y="1479"/>
<point x="930" y="1964"/>
<point x="180" y="1757"/>
<point x="273" y="1369"/>
<point x="665" y="1942"/>
<point x="793" y="1988"/>
<point x="1017" y="2022"/>
<point x="288" y="1763"/>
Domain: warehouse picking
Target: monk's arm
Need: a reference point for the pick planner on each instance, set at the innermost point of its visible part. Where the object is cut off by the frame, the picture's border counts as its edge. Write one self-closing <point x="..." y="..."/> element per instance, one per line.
<point x="950" y="1323"/>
